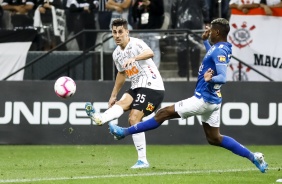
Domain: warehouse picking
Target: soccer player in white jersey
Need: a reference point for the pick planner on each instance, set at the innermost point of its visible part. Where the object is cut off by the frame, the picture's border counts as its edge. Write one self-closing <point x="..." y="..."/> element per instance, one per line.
<point x="206" y="100"/>
<point x="133" y="60"/>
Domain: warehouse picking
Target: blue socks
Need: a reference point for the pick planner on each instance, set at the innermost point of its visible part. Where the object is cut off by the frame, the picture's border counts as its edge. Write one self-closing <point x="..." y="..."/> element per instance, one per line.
<point x="142" y="127"/>
<point x="232" y="145"/>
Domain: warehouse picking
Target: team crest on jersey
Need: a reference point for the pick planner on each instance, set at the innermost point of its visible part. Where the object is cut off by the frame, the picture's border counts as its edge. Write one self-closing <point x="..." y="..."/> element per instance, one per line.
<point x="150" y="107"/>
<point x="221" y="58"/>
<point x="128" y="52"/>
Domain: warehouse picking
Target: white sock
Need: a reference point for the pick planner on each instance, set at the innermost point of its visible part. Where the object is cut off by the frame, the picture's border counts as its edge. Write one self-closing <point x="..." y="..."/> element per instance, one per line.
<point x="112" y="113"/>
<point x="140" y="145"/>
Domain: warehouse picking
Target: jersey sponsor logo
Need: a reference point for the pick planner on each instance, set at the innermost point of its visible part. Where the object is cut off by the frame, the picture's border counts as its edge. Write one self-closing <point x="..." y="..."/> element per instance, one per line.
<point x="154" y="76"/>
<point x="150" y="107"/>
<point x="221" y="58"/>
<point x="132" y="71"/>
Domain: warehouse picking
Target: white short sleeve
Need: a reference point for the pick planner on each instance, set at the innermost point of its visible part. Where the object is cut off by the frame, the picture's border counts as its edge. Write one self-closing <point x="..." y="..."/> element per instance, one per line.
<point x="234" y="2"/>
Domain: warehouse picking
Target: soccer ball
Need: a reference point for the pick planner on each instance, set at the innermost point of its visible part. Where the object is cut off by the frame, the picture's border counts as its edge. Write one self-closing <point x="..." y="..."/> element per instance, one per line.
<point x="64" y="87"/>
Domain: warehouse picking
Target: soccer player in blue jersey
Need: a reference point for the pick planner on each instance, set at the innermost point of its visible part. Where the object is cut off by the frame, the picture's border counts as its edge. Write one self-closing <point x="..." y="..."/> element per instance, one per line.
<point x="206" y="100"/>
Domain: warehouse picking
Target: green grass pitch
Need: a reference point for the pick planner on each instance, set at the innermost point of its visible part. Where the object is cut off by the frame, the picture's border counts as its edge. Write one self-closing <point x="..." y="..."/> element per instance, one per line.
<point x="193" y="164"/>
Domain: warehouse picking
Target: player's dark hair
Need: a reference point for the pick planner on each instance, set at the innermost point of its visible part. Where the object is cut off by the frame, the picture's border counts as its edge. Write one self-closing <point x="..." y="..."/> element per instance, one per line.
<point x="119" y="22"/>
<point x="222" y="25"/>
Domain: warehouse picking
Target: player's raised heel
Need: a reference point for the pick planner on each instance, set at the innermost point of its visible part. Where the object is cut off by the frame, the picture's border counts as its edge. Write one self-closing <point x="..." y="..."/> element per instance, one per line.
<point x="116" y="131"/>
<point x="259" y="162"/>
<point x="90" y="111"/>
<point x="140" y="165"/>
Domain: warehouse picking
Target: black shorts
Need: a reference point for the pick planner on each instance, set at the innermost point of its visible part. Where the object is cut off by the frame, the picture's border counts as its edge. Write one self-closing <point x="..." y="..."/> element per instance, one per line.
<point x="145" y="99"/>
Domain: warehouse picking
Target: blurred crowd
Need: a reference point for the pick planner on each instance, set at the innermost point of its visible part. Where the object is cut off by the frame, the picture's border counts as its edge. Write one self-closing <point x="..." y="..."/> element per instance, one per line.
<point x="57" y="20"/>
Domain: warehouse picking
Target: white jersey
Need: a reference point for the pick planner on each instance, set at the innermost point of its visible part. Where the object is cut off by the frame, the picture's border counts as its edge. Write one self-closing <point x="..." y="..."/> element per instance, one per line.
<point x="240" y="2"/>
<point x="272" y="2"/>
<point x="143" y="73"/>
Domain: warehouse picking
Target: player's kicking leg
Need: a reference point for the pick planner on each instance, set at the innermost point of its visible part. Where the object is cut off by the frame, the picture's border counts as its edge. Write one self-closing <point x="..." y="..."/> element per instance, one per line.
<point x="96" y="117"/>
<point x="150" y="124"/>
<point x="120" y="132"/>
<point x="113" y="112"/>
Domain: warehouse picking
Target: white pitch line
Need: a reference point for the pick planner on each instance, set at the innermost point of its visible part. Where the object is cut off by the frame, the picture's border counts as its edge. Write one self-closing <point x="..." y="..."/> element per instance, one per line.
<point x="126" y="175"/>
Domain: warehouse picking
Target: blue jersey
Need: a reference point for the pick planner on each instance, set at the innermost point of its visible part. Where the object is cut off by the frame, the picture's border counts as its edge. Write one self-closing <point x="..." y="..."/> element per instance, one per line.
<point x="216" y="58"/>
